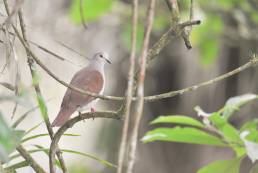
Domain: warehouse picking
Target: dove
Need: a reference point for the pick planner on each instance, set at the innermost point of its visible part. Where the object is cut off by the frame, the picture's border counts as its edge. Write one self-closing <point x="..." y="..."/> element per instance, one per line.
<point x="90" y="78"/>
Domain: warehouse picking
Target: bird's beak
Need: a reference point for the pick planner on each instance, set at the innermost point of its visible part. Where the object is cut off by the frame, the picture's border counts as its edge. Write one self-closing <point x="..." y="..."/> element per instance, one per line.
<point x="108" y="61"/>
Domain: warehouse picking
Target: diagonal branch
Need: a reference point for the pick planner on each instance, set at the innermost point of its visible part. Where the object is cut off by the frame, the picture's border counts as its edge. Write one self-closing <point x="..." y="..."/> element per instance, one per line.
<point x="140" y="88"/>
<point x="252" y="63"/>
<point x="37" y="168"/>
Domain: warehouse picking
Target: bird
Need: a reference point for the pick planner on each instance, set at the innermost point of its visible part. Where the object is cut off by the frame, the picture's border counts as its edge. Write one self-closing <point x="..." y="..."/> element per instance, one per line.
<point x="90" y="78"/>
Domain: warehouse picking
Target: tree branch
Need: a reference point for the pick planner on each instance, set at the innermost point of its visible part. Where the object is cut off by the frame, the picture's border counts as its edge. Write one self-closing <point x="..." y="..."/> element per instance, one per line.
<point x="253" y="62"/>
<point x="37" y="88"/>
<point x="140" y="88"/>
<point x="129" y="93"/>
<point x="69" y="124"/>
<point x="30" y="160"/>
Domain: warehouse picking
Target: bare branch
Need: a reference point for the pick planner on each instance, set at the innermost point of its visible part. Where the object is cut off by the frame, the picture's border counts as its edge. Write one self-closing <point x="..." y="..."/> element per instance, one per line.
<point x="253" y="62"/>
<point x="7" y="85"/>
<point x="140" y="89"/>
<point x="37" y="168"/>
<point x="37" y="88"/>
<point x="69" y="124"/>
<point x="82" y="15"/>
<point x="129" y="92"/>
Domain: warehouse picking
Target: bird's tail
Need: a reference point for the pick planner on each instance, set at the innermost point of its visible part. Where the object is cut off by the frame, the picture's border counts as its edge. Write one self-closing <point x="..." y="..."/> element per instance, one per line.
<point x="63" y="115"/>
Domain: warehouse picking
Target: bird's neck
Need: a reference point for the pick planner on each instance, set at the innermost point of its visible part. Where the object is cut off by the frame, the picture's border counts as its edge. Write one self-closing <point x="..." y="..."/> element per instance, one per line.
<point x="95" y="65"/>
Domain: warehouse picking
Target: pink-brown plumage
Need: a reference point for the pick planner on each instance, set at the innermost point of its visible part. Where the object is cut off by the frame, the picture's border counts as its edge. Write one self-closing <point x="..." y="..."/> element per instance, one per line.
<point x="90" y="78"/>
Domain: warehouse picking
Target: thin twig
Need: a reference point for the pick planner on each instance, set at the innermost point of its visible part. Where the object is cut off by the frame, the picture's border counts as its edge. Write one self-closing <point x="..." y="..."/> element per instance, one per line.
<point x="140" y="89"/>
<point x="129" y="93"/>
<point x="152" y="54"/>
<point x="30" y="160"/>
<point x="20" y="149"/>
<point x="7" y="85"/>
<point x="37" y="89"/>
<point x="72" y="50"/>
<point x="49" y="51"/>
<point x="82" y="15"/>
<point x="253" y="62"/>
<point x="175" y="19"/>
<point x="69" y="124"/>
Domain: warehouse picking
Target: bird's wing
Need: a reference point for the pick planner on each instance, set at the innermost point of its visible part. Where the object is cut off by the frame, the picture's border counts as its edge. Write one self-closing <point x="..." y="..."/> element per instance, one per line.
<point x="88" y="80"/>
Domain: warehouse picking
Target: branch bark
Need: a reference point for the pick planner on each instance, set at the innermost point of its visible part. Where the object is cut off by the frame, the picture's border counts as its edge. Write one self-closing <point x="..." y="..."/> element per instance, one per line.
<point x="37" y="168"/>
<point x="70" y="123"/>
<point x="140" y="89"/>
<point x="37" y="88"/>
<point x="129" y="93"/>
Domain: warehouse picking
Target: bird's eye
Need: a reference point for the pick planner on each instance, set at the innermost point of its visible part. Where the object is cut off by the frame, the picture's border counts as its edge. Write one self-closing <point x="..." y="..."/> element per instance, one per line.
<point x="101" y="56"/>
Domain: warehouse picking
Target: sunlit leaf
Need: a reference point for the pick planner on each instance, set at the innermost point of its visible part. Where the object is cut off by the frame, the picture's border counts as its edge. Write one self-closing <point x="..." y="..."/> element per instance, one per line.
<point x="33" y="128"/>
<point x="184" y="135"/>
<point x="42" y="106"/>
<point x="92" y="10"/>
<point x="22" y="117"/>
<point x="222" y="166"/>
<point x="178" y="119"/>
<point x="18" y="165"/>
<point x="251" y="147"/>
<point x="234" y="103"/>
<point x="90" y="156"/>
<point x="9" y="139"/>
<point x="250" y="125"/>
<point x="42" y="135"/>
<point x="229" y="132"/>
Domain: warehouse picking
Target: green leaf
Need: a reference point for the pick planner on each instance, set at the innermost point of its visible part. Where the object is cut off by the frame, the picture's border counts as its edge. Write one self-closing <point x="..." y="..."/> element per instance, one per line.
<point x="252" y="136"/>
<point x="251" y="144"/>
<point x="222" y="166"/>
<point x="92" y="10"/>
<point x="19" y="120"/>
<point x="9" y="139"/>
<point x="33" y="128"/>
<point x="184" y="135"/>
<point x="230" y="133"/>
<point x="91" y="156"/>
<point x="46" y="150"/>
<point x="249" y="125"/>
<point x="178" y="119"/>
<point x="42" y="107"/>
<point x="17" y="166"/>
<point x="44" y="134"/>
<point x="234" y="103"/>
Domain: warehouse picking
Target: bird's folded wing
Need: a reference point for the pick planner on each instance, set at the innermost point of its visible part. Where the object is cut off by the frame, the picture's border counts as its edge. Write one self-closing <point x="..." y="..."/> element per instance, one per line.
<point x="87" y="80"/>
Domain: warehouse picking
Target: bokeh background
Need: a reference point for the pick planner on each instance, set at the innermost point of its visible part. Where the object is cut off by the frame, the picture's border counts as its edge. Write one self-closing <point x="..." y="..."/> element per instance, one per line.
<point x="225" y="40"/>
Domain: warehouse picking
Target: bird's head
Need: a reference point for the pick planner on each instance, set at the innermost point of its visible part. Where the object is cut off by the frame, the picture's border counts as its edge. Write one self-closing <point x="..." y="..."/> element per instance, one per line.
<point x="101" y="57"/>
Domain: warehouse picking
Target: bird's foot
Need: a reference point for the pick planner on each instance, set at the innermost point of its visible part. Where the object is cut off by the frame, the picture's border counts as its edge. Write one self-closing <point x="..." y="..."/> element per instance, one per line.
<point x="92" y="110"/>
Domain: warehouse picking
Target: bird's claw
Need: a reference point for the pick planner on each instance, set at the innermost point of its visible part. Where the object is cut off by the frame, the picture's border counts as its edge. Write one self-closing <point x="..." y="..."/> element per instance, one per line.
<point x="92" y="110"/>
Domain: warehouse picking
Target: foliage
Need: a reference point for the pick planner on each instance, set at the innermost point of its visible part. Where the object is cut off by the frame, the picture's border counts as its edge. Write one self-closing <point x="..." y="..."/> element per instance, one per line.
<point x="91" y="10"/>
<point x="9" y="139"/>
<point x="214" y="130"/>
